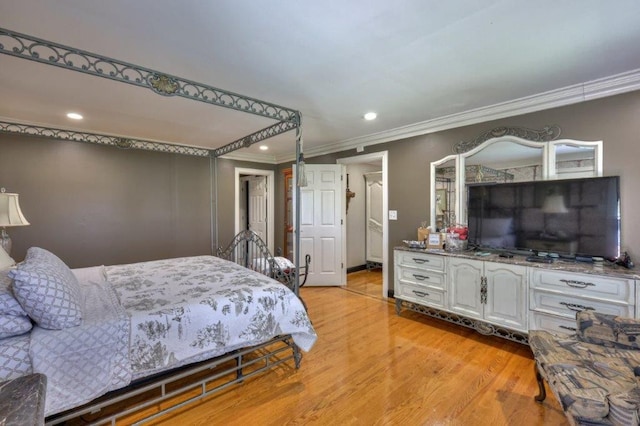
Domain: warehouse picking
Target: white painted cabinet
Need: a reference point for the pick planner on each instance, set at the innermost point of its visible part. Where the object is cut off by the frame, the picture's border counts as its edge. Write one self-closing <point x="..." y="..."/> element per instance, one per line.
<point x="506" y="295"/>
<point x="493" y="292"/>
<point x="465" y="287"/>
<point x="494" y="296"/>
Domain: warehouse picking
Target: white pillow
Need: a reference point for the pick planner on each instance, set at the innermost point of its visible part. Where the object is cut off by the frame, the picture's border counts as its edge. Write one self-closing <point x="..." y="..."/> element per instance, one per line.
<point x="47" y="290"/>
<point x="284" y="263"/>
<point x="5" y="260"/>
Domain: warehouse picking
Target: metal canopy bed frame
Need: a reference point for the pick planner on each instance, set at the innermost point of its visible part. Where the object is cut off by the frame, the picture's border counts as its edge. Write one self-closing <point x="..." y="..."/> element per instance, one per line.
<point x="228" y="369"/>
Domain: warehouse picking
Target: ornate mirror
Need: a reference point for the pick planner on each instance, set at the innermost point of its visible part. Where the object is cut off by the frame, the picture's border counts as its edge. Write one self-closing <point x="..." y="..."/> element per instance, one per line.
<point x="499" y="160"/>
<point x="506" y="154"/>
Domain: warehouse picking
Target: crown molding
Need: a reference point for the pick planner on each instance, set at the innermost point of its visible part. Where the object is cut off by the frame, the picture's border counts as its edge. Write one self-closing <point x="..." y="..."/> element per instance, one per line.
<point x="594" y="89"/>
<point x="254" y="158"/>
<point x="118" y="141"/>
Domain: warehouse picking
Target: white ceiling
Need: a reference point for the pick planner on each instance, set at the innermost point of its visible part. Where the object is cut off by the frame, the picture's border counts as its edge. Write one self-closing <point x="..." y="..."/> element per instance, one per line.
<point x="411" y="61"/>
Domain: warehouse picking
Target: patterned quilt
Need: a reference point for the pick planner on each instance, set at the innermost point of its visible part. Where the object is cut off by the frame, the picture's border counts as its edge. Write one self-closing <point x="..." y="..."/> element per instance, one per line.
<point x="188" y="309"/>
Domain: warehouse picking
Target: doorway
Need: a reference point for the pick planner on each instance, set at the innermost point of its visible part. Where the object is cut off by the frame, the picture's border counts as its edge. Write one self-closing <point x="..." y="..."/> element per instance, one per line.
<point x="367" y="257"/>
<point x="254" y="203"/>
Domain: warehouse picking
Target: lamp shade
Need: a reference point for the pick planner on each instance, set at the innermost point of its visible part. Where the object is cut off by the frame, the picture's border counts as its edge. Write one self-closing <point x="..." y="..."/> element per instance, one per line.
<point x="554" y="204"/>
<point x="10" y="213"/>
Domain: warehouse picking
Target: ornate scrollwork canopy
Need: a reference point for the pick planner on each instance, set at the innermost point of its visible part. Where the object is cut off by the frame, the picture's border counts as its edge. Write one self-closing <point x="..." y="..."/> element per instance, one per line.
<point x="546" y="134"/>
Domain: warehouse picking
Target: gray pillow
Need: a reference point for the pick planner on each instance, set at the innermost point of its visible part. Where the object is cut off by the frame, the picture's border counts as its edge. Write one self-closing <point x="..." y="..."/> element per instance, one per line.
<point x="47" y="290"/>
<point x="14" y="325"/>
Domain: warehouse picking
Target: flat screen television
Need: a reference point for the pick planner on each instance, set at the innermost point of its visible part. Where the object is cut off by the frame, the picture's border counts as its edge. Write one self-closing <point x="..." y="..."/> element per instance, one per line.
<point x="578" y="217"/>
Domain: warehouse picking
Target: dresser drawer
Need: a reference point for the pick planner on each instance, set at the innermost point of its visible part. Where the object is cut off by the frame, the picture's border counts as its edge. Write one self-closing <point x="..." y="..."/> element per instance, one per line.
<point x="424" y="277"/>
<point x="540" y="321"/>
<point x="420" y="260"/>
<point x="567" y="306"/>
<point x="584" y="285"/>
<point x="424" y="296"/>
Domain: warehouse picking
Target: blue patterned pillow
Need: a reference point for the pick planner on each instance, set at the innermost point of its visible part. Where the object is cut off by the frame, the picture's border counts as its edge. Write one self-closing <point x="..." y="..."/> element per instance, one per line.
<point x="8" y="303"/>
<point x="47" y="290"/>
<point x="14" y="325"/>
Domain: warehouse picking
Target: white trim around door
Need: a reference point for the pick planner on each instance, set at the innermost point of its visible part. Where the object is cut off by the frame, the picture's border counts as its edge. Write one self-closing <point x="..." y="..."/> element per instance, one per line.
<point x="239" y="171"/>
<point x="384" y="156"/>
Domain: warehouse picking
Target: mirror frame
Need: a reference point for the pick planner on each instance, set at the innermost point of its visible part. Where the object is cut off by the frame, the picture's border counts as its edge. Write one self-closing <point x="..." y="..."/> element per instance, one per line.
<point x="597" y="155"/>
<point x="548" y="167"/>
<point x="434" y="166"/>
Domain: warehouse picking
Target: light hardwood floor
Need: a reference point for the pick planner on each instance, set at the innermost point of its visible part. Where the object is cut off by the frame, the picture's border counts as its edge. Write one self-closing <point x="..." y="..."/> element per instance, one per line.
<point x="366" y="282"/>
<point x="373" y="367"/>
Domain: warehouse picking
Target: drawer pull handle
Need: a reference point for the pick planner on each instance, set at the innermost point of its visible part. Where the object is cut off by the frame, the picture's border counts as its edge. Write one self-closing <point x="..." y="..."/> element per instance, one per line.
<point x="420" y="277"/>
<point x="577" y="284"/>
<point x="418" y="260"/>
<point x="577" y="308"/>
<point x="567" y="328"/>
<point x="420" y="293"/>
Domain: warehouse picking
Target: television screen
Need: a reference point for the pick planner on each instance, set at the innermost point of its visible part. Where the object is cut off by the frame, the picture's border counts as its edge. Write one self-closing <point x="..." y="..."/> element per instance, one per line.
<point x="572" y="217"/>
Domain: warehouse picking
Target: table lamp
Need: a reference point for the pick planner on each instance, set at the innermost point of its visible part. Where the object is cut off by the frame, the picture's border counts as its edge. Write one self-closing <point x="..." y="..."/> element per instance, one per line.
<point x="10" y="215"/>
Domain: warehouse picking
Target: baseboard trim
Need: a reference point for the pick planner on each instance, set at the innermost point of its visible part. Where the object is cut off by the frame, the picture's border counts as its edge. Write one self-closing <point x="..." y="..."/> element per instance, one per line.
<point x="356" y="268"/>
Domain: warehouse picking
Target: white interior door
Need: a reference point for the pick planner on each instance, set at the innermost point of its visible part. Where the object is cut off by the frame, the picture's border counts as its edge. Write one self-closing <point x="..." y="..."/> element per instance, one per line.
<point x="258" y="206"/>
<point x="321" y="223"/>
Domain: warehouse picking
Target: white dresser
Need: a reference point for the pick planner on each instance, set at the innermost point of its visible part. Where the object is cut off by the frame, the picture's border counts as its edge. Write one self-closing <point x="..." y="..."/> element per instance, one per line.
<point x="509" y="297"/>
<point x="421" y="278"/>
<point x="556" y="296"/>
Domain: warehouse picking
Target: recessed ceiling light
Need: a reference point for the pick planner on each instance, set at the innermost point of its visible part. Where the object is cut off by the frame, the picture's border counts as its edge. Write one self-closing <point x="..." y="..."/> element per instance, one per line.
<point x="74" y="116"/>
<point x="370" y="116"/>
<point x="264" y="147"/>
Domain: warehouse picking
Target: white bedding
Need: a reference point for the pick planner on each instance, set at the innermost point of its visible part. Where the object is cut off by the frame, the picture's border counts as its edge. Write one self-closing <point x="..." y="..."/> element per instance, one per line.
<point x="146" y="317"/>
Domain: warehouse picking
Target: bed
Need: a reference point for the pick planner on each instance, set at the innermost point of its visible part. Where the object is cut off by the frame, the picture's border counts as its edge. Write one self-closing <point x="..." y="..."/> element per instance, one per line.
<point x="98" y="330"/>
<point x="104" y="302"/>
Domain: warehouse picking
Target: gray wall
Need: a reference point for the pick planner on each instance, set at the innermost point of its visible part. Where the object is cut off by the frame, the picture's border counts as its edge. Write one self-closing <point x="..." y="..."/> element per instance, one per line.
<point x="93" y="205"/>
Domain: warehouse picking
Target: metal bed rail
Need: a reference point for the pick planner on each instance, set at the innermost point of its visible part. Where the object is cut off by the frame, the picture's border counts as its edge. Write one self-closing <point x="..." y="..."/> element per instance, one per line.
<point x="267" y="357"/>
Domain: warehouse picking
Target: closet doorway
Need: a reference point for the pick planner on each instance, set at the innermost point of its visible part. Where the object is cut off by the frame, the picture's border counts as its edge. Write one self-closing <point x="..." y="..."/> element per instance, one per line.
<point x="254" y="203"/>
<point x="367" y="242"/>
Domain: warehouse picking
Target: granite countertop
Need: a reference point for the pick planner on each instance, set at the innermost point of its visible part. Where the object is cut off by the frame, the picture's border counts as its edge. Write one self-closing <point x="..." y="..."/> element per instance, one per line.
<point x="596" y="268"/>
<point x="22" y="400"/>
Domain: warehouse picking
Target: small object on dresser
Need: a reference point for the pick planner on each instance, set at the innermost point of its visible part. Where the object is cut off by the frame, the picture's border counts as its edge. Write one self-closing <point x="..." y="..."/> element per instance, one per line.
<point x="423" y="232"/>
<point x="454" y="242"/>
<point x="414" y="244"/>
<point x="625" y="260"/>
<point x="435" y="241"/>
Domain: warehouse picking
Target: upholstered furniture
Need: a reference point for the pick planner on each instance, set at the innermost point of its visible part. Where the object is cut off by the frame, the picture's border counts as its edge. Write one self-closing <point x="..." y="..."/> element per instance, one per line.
<point x="594" y="372"/>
